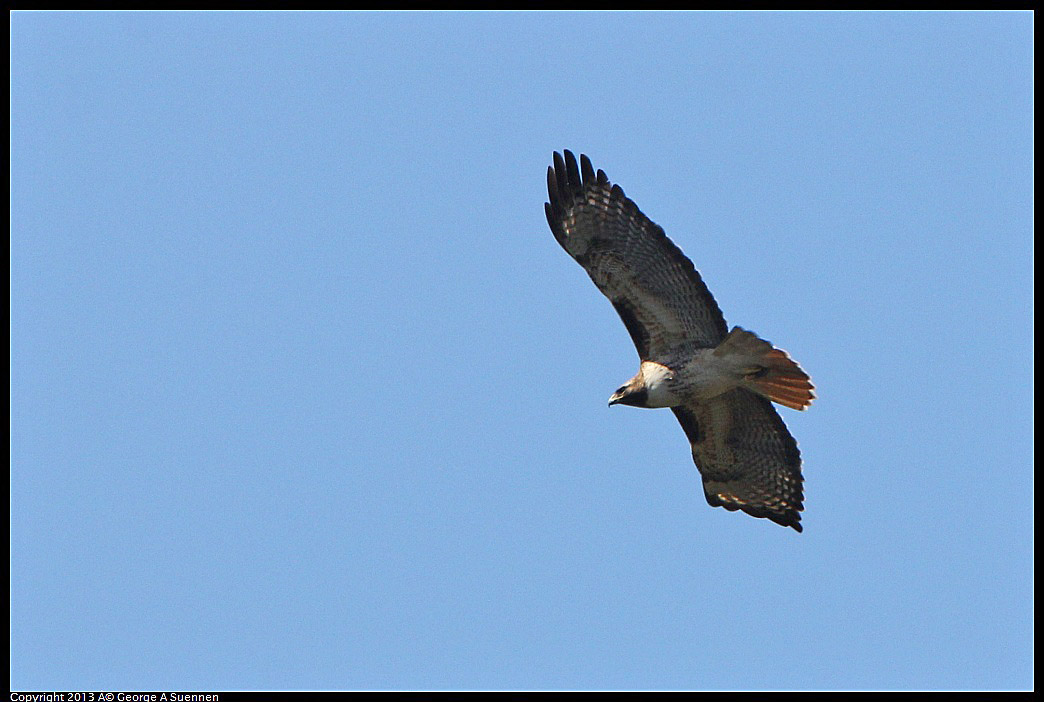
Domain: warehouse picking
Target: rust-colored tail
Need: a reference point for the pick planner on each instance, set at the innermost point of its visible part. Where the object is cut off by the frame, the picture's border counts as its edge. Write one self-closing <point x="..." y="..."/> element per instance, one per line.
<point x="782" y="380"/>
<point x="769" y="371"/>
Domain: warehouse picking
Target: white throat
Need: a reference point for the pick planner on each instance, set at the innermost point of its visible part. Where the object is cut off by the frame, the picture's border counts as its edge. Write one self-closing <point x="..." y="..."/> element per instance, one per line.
<point x="657" y="380"/>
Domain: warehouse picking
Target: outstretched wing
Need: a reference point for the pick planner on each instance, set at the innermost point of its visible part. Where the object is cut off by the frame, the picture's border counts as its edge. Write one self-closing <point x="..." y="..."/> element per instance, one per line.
<point x="747" y="458"/>
<point x="655" y="289"/>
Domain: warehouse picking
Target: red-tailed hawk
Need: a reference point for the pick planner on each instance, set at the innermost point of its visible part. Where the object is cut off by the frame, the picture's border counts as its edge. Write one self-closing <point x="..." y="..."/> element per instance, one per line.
<point x="718" y="383"/>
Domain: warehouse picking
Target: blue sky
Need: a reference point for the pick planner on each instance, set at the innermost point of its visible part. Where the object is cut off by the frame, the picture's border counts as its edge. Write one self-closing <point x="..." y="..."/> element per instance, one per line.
<point x="304" y="394"/>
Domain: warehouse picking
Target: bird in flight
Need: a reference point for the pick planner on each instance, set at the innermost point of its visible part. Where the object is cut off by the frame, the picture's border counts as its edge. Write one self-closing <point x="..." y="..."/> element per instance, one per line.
<point x="720" y="384"/>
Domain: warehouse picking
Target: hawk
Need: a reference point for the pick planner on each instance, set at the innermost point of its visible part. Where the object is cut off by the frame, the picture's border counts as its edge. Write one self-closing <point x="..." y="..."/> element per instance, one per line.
<point x="720" y="384"/>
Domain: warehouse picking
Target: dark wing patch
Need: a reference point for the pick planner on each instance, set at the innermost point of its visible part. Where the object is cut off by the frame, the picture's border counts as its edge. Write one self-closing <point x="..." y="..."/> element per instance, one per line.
<point x="688" y="423"/>
<point x="746" y="457"/>
<point x="657" y="291"/>
<point x="639" y="334"/>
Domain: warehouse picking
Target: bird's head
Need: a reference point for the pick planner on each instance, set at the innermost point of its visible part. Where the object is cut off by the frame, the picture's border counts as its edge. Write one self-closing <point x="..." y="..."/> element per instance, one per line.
<point x="633" y="393"/>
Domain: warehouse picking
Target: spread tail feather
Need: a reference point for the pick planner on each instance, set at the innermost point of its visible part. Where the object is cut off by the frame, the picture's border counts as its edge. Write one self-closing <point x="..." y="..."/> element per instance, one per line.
<point x="769" y="371"/>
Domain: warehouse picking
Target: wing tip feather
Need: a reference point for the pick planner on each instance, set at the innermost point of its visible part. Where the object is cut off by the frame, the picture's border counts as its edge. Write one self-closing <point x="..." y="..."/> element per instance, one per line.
<point x="587" y="171"/>
<point x="788" y="517"/>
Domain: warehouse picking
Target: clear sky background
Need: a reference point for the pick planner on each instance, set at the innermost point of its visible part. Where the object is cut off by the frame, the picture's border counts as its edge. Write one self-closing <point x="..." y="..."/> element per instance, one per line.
<point x="305" y="395"/>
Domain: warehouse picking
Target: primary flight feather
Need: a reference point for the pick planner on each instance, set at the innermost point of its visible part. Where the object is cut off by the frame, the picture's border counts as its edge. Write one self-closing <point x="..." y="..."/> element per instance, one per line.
<point x="719" y="384"/>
